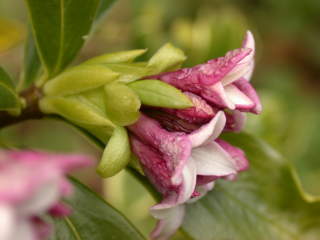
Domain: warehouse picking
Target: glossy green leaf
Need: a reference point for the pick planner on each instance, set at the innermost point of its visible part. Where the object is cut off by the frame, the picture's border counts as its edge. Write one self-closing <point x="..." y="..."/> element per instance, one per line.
<point x="159" y="94"/>
<point x="122" y="104"/>
<point x="167" y="58"/>
<point x="32" y="65"/>
<point x="116" y="155"/>
<point x="92" y="219"/>
<point x="79" y="79"/>
<point x="74" y="109"/>
<point x="9" y="99"/>
<point x="130" y="72"/>
<point x="59" y="29"/>
<point x="117" y="57"/>
<point x="263" y="203"/>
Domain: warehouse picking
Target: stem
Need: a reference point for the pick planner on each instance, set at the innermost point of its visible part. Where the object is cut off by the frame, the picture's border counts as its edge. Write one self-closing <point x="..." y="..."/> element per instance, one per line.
<point x="31" y="111"/>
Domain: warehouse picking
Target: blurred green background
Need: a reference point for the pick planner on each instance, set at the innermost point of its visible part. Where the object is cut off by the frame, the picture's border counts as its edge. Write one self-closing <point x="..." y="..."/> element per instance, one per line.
<point x="287" y="73"/>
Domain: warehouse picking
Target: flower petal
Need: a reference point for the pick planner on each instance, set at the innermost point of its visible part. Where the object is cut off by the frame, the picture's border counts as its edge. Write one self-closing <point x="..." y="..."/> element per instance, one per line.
<point x="238" y="97"/>
<point x="209" y="131"/>
<point x="236" y="154"/>
<point x="169" y="223"/>
<point x="7" y="222"/>
<point x="235" y="121"/>
<point x="216" y="95"/>
<point x="245" y="87"/>
<point x="212" y="159"/>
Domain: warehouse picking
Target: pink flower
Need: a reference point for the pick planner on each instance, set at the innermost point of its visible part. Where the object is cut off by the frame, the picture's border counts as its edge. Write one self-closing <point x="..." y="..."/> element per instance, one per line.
<point x="183" y="165"/>
<point x="223" y="82"/>
<point x="32" y="184"/>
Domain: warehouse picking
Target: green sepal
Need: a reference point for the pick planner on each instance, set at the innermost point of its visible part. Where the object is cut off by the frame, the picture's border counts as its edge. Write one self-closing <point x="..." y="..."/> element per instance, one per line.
<point x="79" y="79"/>
<point x="122" y="104"/>
<point x="9" y="99"/>
<point x="76" y="110"/>
<point x="129" y="72"/>
<point x="117" y="57"/>
<point x="167" y="58"/>
<point x="160" y="94"/>
<point x="116" y="155"/>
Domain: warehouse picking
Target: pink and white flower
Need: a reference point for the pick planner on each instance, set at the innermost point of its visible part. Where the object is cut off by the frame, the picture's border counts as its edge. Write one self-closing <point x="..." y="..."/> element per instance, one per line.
<point x="223" y="82"/>
<point x="173" y="161"/>
<point x="32" y="184"/>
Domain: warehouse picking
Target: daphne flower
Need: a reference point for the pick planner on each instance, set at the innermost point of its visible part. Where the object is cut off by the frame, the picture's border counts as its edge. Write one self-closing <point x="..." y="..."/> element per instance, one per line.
<point x="173" y="161"/>
<point x="223" y="82"/>
<point x="32" y="184"/>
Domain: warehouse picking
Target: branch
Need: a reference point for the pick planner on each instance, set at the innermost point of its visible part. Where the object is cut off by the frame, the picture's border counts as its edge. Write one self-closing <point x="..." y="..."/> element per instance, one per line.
<point x="31" y="111"/>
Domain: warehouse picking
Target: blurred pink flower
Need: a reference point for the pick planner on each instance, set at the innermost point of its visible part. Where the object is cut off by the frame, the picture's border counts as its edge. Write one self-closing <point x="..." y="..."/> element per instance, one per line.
<point x="176" y="161"/>
<point x="32" y="184"/>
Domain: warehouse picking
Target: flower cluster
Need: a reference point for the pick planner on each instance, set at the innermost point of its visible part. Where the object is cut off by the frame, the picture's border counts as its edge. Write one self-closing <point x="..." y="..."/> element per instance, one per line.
<point x="179" y="149"/>
<point x="32" y="184"/>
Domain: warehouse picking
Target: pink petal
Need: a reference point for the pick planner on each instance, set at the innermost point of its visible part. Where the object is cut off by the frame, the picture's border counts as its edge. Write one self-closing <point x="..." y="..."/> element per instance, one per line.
<point x="174" y="147"/>
<point x="236" y="154"/>
<point x="216" y="95"/>
<point x="235" y="121"/>
<point x="244" y="86"/>
<point x="201" y="111"/>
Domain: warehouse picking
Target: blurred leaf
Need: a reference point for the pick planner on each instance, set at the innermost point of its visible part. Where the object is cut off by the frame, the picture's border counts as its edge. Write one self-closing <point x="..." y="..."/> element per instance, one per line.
<point x="60" y="28"/>
<point x="79" y="79"/>
<point x="92" y="219"/>
<point x="117" y="57"/>
<point x="32" y="64"/>
<point x="104" y="6"/>
<point x="263" y="203"/>
<point x="159" y="94"/>
<point x="166" y="58"/>
<point x="11" y="33"/>
<point x="122" y="104"/>
<point x="116" y="155"/>
<point x="9" y="99"/>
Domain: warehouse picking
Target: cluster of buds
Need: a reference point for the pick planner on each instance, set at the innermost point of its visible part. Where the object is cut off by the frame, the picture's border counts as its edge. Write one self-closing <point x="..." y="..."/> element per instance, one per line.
<point x="31" y="185"/>
<point x="169" y="118"/>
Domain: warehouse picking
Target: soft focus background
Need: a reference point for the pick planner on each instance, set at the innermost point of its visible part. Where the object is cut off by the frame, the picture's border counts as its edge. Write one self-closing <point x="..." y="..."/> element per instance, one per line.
<point x="286" y="76"/>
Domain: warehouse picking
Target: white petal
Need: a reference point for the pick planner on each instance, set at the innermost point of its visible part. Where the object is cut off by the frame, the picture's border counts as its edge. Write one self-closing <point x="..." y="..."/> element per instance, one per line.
<point x="203" y="190"/>
<point x="211" y="159"/>
<point x="169" y="224"/>
<point x="209" y="131"/>
<point x="42" y="200"/>
<point x="237" y="97"/>
<point x="242" y="69"/>
<point x="7" y="222"/>
<point x="249" y="41"/>
<point x="189" y="175"/>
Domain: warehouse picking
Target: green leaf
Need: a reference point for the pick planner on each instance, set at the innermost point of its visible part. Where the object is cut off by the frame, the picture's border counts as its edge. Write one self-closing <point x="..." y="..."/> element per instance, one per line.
<point x="159" y="94"/>
<point x="263" y="203"/>
<point x="122" y="104"/>
<point x="116" y="155"/>
<point x="104" y="6"/>
<point x="79" y="79"/>
<point x="76" y="110"/>
<point x="32" y="64"/>
<point x="9" y="100"/>
<point x="92" y="219"/>
<point x="117" y="57"/>
<point x="130" y="72"/>
<point x="167" y="58"/>
<point x="59" y="29"/>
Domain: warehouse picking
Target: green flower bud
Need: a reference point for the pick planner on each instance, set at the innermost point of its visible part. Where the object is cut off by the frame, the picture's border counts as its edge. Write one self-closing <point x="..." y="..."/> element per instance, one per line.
<point x="79" y="79"/>
<point x="116" y="155"/>
<point x="167" y="58"/>
<point x="122" y="104"/>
